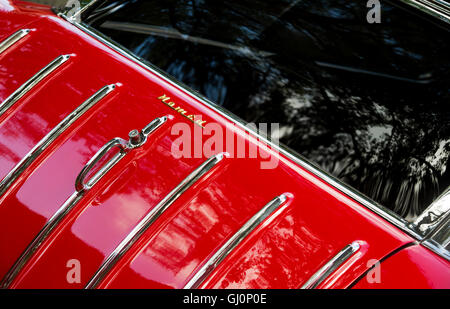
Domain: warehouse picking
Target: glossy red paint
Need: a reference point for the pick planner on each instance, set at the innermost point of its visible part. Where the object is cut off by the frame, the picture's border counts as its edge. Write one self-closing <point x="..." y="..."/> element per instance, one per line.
<point x="19" y="14"/>
<point x="412" y="268"/>
<point x="283" y="252"/>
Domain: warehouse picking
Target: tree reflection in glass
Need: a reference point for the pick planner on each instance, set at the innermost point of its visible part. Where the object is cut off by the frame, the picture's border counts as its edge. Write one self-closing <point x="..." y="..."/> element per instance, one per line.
<point x="366" y="102"/>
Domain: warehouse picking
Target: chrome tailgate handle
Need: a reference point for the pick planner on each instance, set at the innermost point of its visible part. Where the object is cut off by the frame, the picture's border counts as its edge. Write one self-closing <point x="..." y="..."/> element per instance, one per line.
<point x="81" y="183"/>
<point x="137" y="139"/>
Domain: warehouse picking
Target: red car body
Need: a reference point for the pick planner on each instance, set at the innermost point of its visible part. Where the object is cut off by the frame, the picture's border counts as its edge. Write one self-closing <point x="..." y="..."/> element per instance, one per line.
<point x="315" y="223"/>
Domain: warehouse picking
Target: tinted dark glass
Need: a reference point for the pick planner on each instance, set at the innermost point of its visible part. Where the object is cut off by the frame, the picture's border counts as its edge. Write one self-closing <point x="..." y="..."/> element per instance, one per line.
<point x="369" y="103"/>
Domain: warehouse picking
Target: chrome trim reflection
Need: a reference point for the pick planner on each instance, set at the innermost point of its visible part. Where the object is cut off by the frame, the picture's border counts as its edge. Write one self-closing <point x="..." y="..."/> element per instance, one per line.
<point x="13" y="39"/>
<point x="439" y="241"/>
<point x="331" y="266"/>
<point x="204" y="272"/>
<point x="83" y="8"/>
<point x="376" y="208"/>
<point x="150" y="218"/>
<point x="435" y="224"/>
<point x="45" y="142"/>
<point x="434" y="214"/>
<point x="81" y="188"/>
<point x="33" y="81"/>
<point x="439" y="9"/>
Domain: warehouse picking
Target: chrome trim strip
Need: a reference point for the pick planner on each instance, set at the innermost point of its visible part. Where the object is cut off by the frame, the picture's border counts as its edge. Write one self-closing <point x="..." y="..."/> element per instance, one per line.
<point x="150" y="218"/>
<point x="438" y="240"/>
<point x="437" y="8"/>
<point x="433" y="224"/>
<point x="13" y="39"/>
<point x="45" y="142"/>
<point x="331" y="266"/>
<point x="437" y="248"/>
<point x="381" y="211"/>
<point x="434" y="214"/>
<point x="32" y="82"/>
<point x="83" y="8"/>
<point x="231" y="244"/>
<point x="54" y="221"/>
<point x="39" y="239"/>
<point x="81" y="188"/>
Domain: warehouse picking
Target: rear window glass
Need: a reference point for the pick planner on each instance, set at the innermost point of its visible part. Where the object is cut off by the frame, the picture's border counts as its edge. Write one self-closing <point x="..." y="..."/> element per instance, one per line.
<point x="368" y="103"/>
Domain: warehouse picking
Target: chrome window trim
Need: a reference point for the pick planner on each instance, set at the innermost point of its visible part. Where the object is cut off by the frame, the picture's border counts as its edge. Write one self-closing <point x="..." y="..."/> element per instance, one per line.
<point x="436" y="248"/>
<point x="439" y="238"/>
<point x="434" y="214"/>
<point x="32" y="82"/>
<point x="81" y="188"/>
<point x="83" y="8"/>
<point x="109" y="263"/>
<point x="325" y="271"/>
<point x="13" y="39"/>
<point x="376" y="208"/>
<point x="439" y="9"/>
<point x="47" y="140"/>
<point x="208" y="268"/>
<point x="433" y="225"/>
